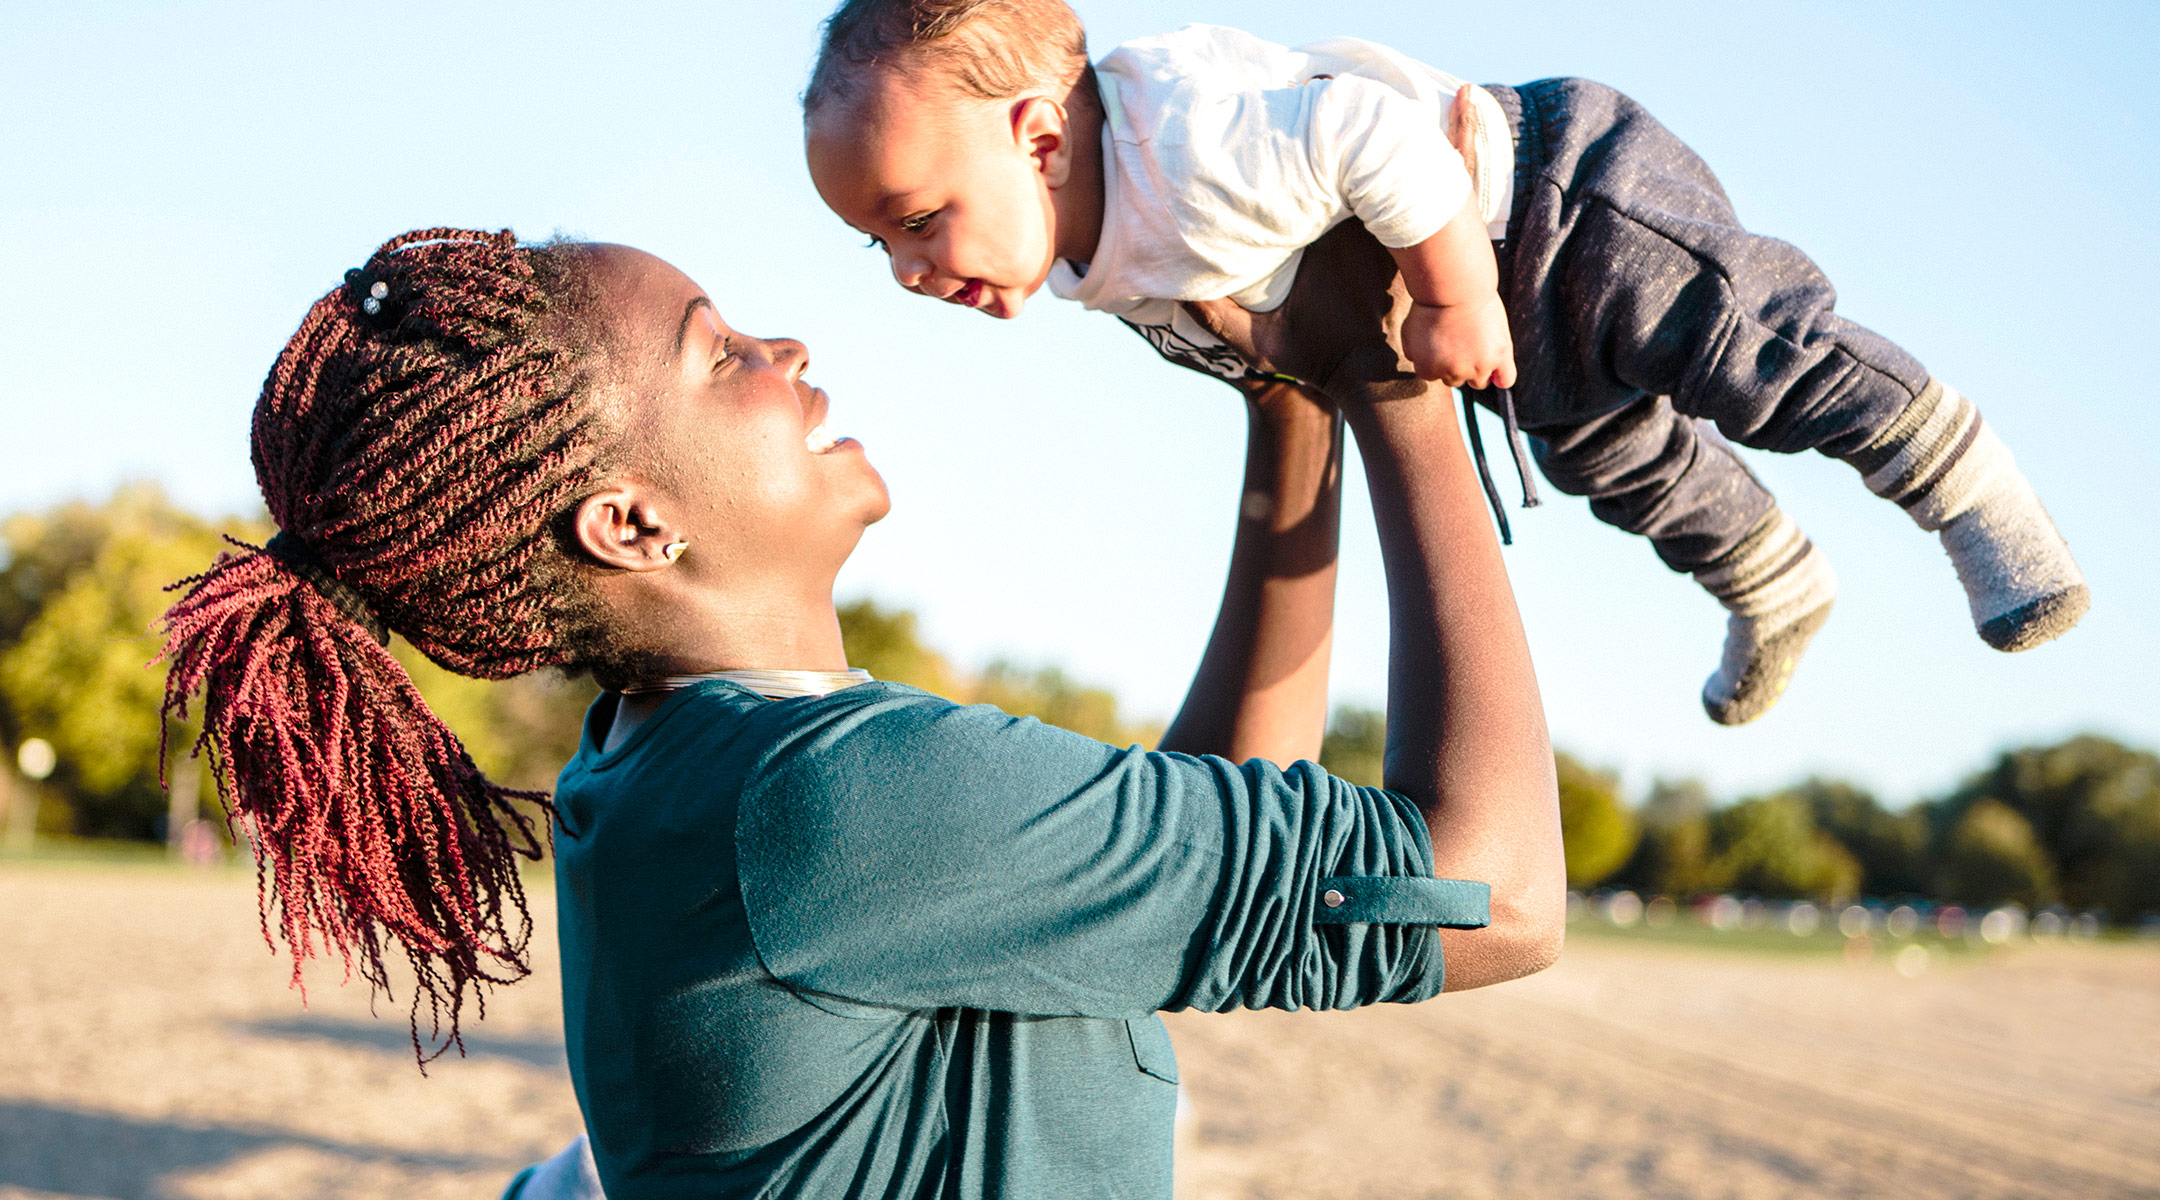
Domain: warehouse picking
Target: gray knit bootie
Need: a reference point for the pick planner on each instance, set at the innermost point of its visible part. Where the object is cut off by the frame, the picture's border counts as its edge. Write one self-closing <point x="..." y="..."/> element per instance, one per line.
<point x="1942" y="463"/>
<point x="1778" y="589"/>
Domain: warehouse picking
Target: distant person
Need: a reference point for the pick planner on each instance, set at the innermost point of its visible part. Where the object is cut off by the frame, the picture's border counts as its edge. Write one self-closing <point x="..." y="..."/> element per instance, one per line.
<point x="821" y="935"/>
<point x="977" y="145"/>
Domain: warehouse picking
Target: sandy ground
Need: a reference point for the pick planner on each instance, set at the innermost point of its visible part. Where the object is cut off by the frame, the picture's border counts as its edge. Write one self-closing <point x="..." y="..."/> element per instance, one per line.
<point x="149" y="1048"/>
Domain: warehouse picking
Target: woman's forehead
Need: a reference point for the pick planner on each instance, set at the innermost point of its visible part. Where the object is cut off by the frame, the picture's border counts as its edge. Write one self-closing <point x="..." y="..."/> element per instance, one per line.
<point x="645" y="299"/>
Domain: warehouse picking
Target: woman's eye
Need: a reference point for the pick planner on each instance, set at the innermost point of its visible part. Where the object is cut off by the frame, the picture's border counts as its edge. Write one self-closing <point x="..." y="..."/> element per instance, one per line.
<point x="727" y="354"/>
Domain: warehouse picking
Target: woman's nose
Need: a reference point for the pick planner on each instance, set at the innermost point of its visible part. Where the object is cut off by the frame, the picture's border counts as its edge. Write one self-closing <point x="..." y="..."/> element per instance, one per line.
<point x="788" y="354"/>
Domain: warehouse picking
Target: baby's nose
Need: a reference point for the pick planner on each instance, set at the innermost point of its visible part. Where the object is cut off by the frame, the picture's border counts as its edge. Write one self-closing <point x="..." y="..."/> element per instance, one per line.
<point x="910" y="271"/>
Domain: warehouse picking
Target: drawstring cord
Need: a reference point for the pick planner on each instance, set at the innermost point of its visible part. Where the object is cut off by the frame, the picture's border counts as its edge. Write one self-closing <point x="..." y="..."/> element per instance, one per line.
<point x="1516" y="447"/>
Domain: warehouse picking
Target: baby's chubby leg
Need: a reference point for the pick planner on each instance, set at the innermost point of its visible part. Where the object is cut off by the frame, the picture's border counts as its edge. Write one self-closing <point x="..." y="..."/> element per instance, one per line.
<point x="1648" y="470"/>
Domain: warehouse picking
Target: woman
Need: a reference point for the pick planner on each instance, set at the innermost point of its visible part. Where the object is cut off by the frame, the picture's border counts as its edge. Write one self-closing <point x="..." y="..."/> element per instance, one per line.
<point x="823" y="936"/>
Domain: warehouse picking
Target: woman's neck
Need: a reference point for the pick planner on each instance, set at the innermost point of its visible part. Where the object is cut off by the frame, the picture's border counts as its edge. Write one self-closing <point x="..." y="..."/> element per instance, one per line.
<point x="682" y="628"/>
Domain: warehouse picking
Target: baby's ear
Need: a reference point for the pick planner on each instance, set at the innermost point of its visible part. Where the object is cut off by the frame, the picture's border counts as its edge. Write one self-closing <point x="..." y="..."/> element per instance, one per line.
<point x="1041" y="126"/>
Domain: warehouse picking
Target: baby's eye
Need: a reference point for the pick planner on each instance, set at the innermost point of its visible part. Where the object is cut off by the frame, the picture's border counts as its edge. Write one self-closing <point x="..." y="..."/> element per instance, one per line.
<point x="915" y="224"/>
<point x="875" y="243"/>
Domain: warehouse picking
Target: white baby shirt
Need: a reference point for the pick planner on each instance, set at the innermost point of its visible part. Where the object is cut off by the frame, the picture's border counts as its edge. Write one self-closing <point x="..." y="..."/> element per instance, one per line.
<point x="1225" y="155"/>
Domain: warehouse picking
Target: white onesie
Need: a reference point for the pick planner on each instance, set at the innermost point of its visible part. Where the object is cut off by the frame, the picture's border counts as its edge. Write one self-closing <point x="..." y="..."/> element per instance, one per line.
<point x="1224" y="156"/>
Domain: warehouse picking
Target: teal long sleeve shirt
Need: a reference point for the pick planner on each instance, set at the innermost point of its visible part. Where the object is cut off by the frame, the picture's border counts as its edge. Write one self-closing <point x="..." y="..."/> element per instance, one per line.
<point x="875" y="944"/>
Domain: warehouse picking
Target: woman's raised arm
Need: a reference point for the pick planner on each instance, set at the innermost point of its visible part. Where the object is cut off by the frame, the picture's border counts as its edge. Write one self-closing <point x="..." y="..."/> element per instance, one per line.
<point x="1466" y="729"/>
<point x="1261" y="690"/>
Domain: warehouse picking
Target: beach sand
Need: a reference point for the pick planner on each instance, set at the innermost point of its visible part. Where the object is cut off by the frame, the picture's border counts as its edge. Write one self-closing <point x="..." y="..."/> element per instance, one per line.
<point x="149" y="1047"/>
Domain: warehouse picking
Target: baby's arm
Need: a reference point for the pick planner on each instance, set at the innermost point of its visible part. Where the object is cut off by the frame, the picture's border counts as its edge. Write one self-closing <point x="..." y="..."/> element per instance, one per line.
<point x="1394" y="168"/>
<point x="1457" y="329"/>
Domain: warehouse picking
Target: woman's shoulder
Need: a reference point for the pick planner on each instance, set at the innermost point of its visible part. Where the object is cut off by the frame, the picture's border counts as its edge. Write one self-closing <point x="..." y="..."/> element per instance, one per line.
<point x="875" y="742"/>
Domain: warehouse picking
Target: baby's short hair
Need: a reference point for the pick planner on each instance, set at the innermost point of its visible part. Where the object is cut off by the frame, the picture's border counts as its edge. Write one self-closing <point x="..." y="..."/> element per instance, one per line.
<point x="992" y="49"/>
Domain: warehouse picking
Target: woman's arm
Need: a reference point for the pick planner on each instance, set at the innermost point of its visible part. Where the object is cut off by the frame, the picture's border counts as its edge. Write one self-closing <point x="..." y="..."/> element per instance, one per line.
<point x="1261" y="690"/>
<point x="1466" y="730"/>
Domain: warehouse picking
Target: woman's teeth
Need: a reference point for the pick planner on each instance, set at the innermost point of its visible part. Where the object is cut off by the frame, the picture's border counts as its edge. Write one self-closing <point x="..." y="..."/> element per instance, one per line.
<point x="817" y="441"/>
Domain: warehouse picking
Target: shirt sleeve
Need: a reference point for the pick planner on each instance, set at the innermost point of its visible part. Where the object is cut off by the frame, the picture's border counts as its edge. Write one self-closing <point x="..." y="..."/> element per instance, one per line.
<point x="912" y="853"/>
<point x="1388" y="156"/>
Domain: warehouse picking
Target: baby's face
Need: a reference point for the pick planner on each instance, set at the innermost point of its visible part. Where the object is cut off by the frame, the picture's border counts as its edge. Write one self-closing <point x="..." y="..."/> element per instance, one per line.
<point x="951" y="187"/>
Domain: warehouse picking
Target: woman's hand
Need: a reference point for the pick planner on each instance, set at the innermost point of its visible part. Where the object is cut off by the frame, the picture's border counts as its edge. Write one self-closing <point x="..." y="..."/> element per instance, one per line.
<point x="1337" y="330"/>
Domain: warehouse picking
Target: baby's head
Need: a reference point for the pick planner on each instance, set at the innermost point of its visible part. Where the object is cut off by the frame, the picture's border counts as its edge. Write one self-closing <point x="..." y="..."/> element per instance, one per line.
<point x="964" y="136"/>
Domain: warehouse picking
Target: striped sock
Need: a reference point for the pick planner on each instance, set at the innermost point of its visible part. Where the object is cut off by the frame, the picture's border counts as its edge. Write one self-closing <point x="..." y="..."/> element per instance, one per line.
<point x="1778" y="589"/>
<point x="1943" y="464"/>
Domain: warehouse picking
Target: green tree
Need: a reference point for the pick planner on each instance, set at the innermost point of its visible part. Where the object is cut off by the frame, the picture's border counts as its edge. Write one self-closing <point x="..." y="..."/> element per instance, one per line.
<point x="884" y="643"/>
<point x="80" y="594"/>
<point x="2093" y="806"/>
<point x="1355" y="746"/>
<point x="1672" y="853"/>
<point x="1050" y="696"/>
<point x="1990" y="856"/>
<point x="1597" y="830"/>
<point x="1890" y="848"/>
<point x="520" y="731"/>
<point x="1769" y="846"/>
<point x="87" y="585"/>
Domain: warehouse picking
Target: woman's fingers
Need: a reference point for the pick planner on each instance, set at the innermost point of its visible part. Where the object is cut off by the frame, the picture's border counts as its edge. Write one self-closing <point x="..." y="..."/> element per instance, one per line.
<point x="1233" y="324"/>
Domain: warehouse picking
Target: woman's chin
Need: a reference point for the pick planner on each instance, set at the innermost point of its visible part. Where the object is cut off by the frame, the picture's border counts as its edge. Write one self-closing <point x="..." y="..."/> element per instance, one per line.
<point x="874" y="500"/>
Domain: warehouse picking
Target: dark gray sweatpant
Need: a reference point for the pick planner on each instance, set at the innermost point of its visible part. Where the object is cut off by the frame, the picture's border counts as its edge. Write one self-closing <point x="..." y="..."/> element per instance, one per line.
<point x="1638" y="303"/>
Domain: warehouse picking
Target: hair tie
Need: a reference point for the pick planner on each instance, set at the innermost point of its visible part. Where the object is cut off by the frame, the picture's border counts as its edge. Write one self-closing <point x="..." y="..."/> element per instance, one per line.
<point x="299" y="558"/>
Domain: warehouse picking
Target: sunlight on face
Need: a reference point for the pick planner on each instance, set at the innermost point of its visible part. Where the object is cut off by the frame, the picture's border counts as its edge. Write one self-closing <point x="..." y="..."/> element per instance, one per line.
<point x="947" y="185"/>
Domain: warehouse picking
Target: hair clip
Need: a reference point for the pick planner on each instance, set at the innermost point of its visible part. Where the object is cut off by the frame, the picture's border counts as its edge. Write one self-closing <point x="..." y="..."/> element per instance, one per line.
<point x="371" y="293"/>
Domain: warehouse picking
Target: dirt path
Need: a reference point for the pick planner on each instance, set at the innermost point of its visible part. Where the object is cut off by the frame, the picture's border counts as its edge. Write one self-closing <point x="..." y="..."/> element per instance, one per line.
<point x="1636" y="1070"/>
<point x="149" y="1048"/>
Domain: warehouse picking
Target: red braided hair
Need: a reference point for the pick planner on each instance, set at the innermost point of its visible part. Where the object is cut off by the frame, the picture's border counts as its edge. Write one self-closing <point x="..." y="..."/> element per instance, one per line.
<point x="417" y="451"/>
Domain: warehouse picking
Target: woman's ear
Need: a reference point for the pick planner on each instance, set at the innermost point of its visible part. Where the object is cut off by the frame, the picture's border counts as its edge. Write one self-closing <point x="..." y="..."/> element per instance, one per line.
<point x="622" y="528"/>
<point x="1040" y="124"/>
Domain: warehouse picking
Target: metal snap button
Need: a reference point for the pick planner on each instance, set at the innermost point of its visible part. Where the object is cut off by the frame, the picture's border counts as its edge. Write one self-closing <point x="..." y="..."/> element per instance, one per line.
<point x="1332" y="898"/>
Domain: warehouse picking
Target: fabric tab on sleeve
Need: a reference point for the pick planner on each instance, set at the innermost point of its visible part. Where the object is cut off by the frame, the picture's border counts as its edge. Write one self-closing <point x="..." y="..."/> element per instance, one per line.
<point x="1398" y="900"/>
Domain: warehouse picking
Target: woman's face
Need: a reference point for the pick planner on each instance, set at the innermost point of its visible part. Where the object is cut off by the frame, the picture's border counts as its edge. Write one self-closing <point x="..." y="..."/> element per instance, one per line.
<point x="721" y="425"/>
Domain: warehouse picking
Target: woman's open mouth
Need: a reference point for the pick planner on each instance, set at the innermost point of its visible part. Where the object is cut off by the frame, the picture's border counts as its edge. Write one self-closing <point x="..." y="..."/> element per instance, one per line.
<point x="819" y="439"/>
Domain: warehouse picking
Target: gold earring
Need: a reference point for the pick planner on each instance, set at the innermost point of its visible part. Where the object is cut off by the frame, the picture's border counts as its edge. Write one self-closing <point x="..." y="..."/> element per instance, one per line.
<point x="674" y="550"/>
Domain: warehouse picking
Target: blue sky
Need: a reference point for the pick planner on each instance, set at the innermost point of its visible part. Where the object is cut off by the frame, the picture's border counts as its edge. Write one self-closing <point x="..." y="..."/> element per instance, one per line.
<point x="179" y="181"/>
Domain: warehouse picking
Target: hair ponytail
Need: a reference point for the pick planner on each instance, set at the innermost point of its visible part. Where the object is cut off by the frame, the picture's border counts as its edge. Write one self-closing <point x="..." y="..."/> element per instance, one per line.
<point x="414" y="452"/>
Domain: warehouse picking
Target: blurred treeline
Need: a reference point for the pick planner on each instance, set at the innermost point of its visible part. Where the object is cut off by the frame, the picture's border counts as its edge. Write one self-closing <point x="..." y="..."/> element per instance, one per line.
<point x="2075" y="825"/>
<point x="81" y="586"/>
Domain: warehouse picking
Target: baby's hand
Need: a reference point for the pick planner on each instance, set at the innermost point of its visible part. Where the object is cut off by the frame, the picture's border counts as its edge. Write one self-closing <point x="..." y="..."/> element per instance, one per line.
<point x="1461" y="345"/>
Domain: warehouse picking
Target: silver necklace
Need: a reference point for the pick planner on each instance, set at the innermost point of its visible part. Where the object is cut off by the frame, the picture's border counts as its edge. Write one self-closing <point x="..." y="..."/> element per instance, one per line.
<point x="771" y="683"/>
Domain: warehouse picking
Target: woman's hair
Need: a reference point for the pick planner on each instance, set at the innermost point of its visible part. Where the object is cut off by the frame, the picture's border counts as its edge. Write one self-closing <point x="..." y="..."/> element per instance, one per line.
<point x="419" y="442"/>
<point x="990" y="49"/>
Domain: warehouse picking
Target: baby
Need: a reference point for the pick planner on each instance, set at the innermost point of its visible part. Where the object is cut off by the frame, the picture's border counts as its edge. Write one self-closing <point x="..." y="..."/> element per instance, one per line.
<point x="1564" y="254"/>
